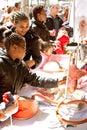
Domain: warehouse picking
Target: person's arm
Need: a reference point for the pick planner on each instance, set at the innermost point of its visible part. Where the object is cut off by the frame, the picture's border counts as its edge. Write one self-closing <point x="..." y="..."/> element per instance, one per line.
<point x="30" y="63"/>
<point x="32" y="57"/>
<point x="51" y="27"/>
<point x="34" y="80"/>
<point x="35" y="53"/>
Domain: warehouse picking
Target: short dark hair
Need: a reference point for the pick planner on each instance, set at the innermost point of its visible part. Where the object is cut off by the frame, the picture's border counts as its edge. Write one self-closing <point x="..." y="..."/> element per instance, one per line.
<point x="16" y="4"/>
<point x="37" y="9"/>
<point x="11" y="38"/>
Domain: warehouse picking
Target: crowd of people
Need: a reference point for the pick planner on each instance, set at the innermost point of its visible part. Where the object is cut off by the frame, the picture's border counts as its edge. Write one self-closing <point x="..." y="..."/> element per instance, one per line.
<point x="24" y="44"/>
<point x="15" y="27"/>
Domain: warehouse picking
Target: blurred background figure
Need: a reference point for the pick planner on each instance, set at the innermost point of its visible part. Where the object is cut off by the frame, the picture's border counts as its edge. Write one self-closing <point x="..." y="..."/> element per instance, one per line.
<point x="17" y="6"/>
<point x="82" y="28"/>
<point x="64" y="13"/>
<point x="7" y="15"/>
<point x="54" y="22"/>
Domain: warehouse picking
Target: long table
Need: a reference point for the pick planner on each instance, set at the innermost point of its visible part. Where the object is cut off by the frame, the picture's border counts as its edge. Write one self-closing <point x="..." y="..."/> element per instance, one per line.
<point x="45" y="118"/>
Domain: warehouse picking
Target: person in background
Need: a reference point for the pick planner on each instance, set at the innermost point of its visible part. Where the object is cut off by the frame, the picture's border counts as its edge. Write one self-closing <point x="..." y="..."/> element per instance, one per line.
<point x="2" y="29"/>
<point x="22" y="27"/>
<point x="17" y="6"/>
<point x="54" y="22"/>
<point x="2" y="11"/>
<point x="38" y="24"/>
<point x="64" y="13"/>
<point x="8" y="21"/>
<point x="82" y="28"/>
<point x="7" y="15"/>
<point x="13" y="70"/>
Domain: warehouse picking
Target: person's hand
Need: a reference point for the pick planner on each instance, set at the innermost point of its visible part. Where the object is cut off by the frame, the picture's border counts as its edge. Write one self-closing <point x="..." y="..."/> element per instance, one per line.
<point x="52" y="32"/>
<point x="16" y="97"/>
<point x="2" y="115"/>
<point x="30" y="63"/>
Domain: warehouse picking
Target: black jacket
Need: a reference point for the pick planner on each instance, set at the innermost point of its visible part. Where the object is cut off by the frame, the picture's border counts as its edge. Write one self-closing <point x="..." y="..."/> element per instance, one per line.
<point x="32" y="47"/>
<point x="41" y="30"/>
<point x="51" y="25"/>
<point x="13" y="74"/>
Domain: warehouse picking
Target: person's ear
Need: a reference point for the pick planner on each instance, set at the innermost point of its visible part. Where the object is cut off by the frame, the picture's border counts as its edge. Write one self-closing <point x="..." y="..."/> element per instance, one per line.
<point x="44" y="51"/>
<point x="15" y="47"/>
<point x="14" y="23"/>
<point x="38" y="16"/>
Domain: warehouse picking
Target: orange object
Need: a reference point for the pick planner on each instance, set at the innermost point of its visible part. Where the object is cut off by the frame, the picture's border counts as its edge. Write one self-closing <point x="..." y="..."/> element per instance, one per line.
<point x="47" y="99"/>
<point x="27" y="108"/>
<point x="74" y="75"/>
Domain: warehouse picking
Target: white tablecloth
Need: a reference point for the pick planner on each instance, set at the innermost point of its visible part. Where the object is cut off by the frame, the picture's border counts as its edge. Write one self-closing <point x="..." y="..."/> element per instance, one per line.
<point x="45" y="118"/>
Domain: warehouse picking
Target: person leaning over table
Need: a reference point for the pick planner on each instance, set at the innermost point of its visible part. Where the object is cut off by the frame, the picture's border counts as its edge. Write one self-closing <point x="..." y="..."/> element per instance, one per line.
<point x="13" y="70"/>
<point x="21" y="26"/>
